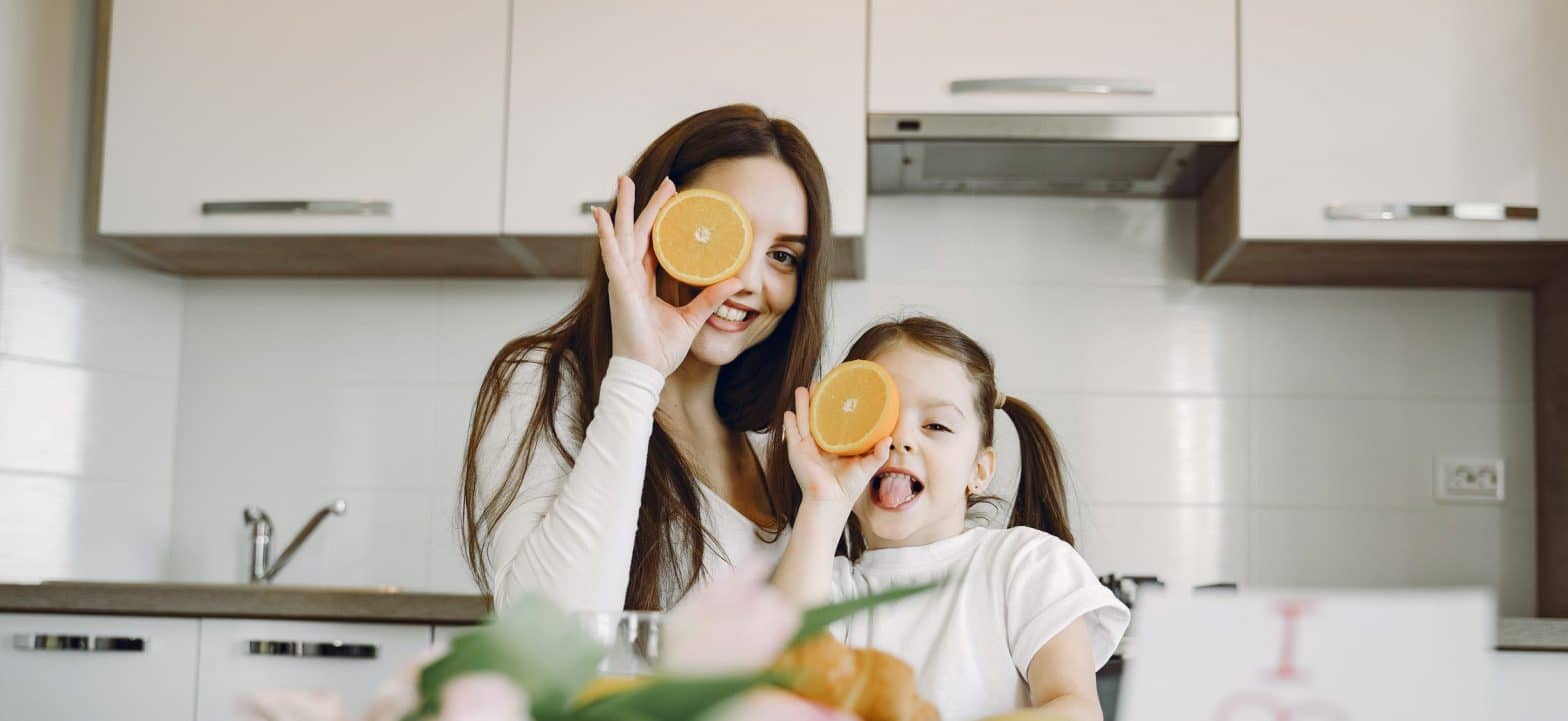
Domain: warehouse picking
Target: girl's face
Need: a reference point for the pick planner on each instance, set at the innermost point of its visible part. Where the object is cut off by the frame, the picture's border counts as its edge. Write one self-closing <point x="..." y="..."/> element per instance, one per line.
<point x="773" y="197"/>
<point x="921" y="495"/>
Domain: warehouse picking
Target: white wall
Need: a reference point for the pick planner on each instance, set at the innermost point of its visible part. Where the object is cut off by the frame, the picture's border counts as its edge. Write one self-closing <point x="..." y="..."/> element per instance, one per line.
<point x="89" y="345"/>
<point x="1265" y="436"/>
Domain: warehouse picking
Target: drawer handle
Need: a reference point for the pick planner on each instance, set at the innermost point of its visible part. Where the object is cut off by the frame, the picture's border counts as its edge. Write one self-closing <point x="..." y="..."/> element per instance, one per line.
<point x="1053" y="84"/>
<point x="68" y="642"/>
<point x="1440" y="211"/>
<point x="296" y="207"/>
<point x="308" y="649"/>
<point x="586" y="207"/>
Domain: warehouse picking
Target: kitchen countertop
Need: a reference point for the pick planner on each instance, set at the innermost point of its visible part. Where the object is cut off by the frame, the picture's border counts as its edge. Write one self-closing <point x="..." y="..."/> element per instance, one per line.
<point x="371" y="604"/>
<point x="390" y="605"/>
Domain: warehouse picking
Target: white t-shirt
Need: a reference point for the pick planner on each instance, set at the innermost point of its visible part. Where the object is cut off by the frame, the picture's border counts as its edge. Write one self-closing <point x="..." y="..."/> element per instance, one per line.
<point x="971" y="641"/>
<point x="570" y="530"/>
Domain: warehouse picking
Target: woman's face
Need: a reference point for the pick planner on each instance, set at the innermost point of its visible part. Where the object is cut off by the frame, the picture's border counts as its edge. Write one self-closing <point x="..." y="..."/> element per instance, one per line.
<point x="776" y="202"/>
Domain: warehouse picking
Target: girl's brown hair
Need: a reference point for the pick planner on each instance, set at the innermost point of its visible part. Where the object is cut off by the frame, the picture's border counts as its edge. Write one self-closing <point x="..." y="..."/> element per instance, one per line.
<point x="753" y="391"/>
<point x="1041" y="501"/>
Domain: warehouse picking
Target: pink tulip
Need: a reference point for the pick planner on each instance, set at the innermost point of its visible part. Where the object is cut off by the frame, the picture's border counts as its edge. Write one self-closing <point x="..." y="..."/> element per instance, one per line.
<point x="736" y="624"/>
<point x="292" y="705"/>
<point x="482" y="697"/>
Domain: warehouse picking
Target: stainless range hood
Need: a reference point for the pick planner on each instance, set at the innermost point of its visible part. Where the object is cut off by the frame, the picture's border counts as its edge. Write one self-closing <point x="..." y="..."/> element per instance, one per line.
<point x="1147" y="156"/>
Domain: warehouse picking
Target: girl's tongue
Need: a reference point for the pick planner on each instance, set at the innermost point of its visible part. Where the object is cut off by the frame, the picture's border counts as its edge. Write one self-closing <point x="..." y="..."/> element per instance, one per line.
<point x="891" y="491"/>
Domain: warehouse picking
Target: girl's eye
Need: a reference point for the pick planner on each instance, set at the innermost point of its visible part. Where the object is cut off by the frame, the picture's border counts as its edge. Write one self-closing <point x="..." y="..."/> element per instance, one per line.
<point x="784" y="257"/>
<point x="938" y="427"/>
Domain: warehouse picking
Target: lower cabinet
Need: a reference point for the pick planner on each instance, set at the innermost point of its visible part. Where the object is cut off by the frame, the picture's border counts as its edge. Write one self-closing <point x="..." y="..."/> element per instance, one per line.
<point x="245" y="656"/>
<point x="90" y="668"/>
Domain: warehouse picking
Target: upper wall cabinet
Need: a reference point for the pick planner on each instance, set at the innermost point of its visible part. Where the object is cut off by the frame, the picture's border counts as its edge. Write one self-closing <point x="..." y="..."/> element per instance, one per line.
<point x="1065" y="56"/>
<point x="301" y="117"/>
<point x="1392" y="142"/>
<point x="592" y="84"/>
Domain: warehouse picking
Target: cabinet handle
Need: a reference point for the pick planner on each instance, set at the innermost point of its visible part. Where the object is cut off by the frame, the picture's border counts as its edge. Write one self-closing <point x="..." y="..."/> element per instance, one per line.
<point x="586" y="207"/>
<point x="304" y="649"/>
<point x="296" y="207"/>
<point x="67" y="642"/>
<point x="1443" y="211"/>
<point x="1052" y="84"/>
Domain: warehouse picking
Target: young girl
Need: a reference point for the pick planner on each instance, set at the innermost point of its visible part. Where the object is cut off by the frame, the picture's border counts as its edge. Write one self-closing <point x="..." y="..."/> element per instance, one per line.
<point x="1022" y="621"/>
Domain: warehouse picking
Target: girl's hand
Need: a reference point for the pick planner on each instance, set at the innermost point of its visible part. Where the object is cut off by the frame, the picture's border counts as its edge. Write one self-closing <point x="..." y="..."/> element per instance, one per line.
<point x="825" y="478"/>
<point x="643" y="327"/>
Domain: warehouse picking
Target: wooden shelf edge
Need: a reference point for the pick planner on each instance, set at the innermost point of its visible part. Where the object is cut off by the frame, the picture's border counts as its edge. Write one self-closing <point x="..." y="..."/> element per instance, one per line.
<point x="398" y="256"/>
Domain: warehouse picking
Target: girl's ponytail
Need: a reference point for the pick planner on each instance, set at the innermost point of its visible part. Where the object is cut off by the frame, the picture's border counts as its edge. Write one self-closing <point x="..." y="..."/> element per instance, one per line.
<point x="1041" y="500"/>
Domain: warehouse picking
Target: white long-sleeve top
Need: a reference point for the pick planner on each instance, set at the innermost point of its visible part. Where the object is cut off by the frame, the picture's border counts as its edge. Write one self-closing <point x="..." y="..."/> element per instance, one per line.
<point x="570" y="530"/>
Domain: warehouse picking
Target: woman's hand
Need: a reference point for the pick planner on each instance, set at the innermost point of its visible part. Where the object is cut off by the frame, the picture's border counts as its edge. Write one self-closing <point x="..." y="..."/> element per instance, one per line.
<point x="643" y="327"/>
<point x="826" y="479"/>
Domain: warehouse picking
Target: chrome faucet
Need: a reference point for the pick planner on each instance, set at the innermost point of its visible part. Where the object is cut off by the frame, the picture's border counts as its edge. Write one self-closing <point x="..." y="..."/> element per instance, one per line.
<point x="262" y="569"/>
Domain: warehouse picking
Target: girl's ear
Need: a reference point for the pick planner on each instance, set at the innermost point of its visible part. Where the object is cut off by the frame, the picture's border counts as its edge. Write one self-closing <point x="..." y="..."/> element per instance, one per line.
<point x="985" y="468"/>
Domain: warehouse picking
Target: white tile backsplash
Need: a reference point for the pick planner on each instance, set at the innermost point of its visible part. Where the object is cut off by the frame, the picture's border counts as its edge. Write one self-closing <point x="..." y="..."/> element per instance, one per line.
<point x="1184" y="545"/>
<point x="1177" y="339"/>
<point x="377" y="436"/>
<point x="1331" y="452"/>
<point x="1052" y="242"/>
<point x="336" y="331"/>
<point x="1332" y="547"/>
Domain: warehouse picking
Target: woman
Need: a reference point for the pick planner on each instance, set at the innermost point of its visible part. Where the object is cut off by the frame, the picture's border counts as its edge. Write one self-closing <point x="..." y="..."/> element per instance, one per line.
<point x="609" y="463"/>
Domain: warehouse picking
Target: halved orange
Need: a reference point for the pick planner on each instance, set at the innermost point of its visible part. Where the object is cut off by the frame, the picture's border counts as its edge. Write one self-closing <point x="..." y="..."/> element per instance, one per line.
<point x="853" y="406"/>
<point x="701" y="237"/>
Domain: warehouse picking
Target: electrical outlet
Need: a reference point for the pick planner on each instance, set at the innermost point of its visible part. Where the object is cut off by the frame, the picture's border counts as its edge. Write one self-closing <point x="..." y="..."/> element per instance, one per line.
<point x="1470" y="480"/>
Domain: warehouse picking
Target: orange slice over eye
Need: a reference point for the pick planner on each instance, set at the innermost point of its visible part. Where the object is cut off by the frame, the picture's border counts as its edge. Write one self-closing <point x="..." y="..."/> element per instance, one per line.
<point x="701" y="237"/>
<point x="853" y="406"/>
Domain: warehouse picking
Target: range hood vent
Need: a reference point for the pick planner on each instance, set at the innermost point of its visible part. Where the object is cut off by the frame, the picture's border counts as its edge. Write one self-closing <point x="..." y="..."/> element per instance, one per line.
<point x="1087" y="155"/>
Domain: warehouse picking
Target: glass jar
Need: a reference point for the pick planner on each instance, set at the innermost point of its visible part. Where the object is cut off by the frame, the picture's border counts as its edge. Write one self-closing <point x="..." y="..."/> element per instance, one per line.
<point x="630" y="640"/>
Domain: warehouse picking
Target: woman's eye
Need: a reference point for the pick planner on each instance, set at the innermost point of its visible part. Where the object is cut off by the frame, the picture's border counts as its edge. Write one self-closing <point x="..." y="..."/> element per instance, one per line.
<point x="938" y="427"/>
<point x="785" y="257"/>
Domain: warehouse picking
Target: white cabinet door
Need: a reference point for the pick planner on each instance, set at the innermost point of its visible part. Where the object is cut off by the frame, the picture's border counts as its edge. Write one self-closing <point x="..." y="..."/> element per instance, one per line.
<point x="1158" y="56"/>
<point x="90" y="668"/>
<point x="345" y="102"/>
<point x="244" y="656"/>
<point x="594" y="83"/>
<point x="1355" y="106"/>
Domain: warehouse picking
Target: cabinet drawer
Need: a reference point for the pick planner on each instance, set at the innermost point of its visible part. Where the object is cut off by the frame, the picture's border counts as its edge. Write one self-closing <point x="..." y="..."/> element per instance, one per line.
<point x="91" y="668"/>
<point x="243" y="656"/>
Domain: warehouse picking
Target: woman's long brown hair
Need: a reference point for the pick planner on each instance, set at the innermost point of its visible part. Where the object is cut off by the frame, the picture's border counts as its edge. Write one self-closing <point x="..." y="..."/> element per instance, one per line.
<point x="1041" y="501"/>
<point x="753" y="391"/>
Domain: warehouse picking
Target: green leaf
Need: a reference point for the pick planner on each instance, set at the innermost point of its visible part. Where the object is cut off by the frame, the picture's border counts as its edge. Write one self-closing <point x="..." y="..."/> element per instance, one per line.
<point x="535" y="644"/>
<point x="671" y="698"/>
<point x="816" y="620"/>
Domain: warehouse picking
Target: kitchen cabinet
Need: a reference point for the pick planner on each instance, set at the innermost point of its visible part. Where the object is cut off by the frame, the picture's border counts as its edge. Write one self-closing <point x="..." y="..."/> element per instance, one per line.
<point x="88" y="668"/>
<point x="1066" y="56"/>
<point x="240" y="656"/>
<point x="1390" y="143"/>
<point x="299" y="118"/>
<point x="592" y="84"/>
